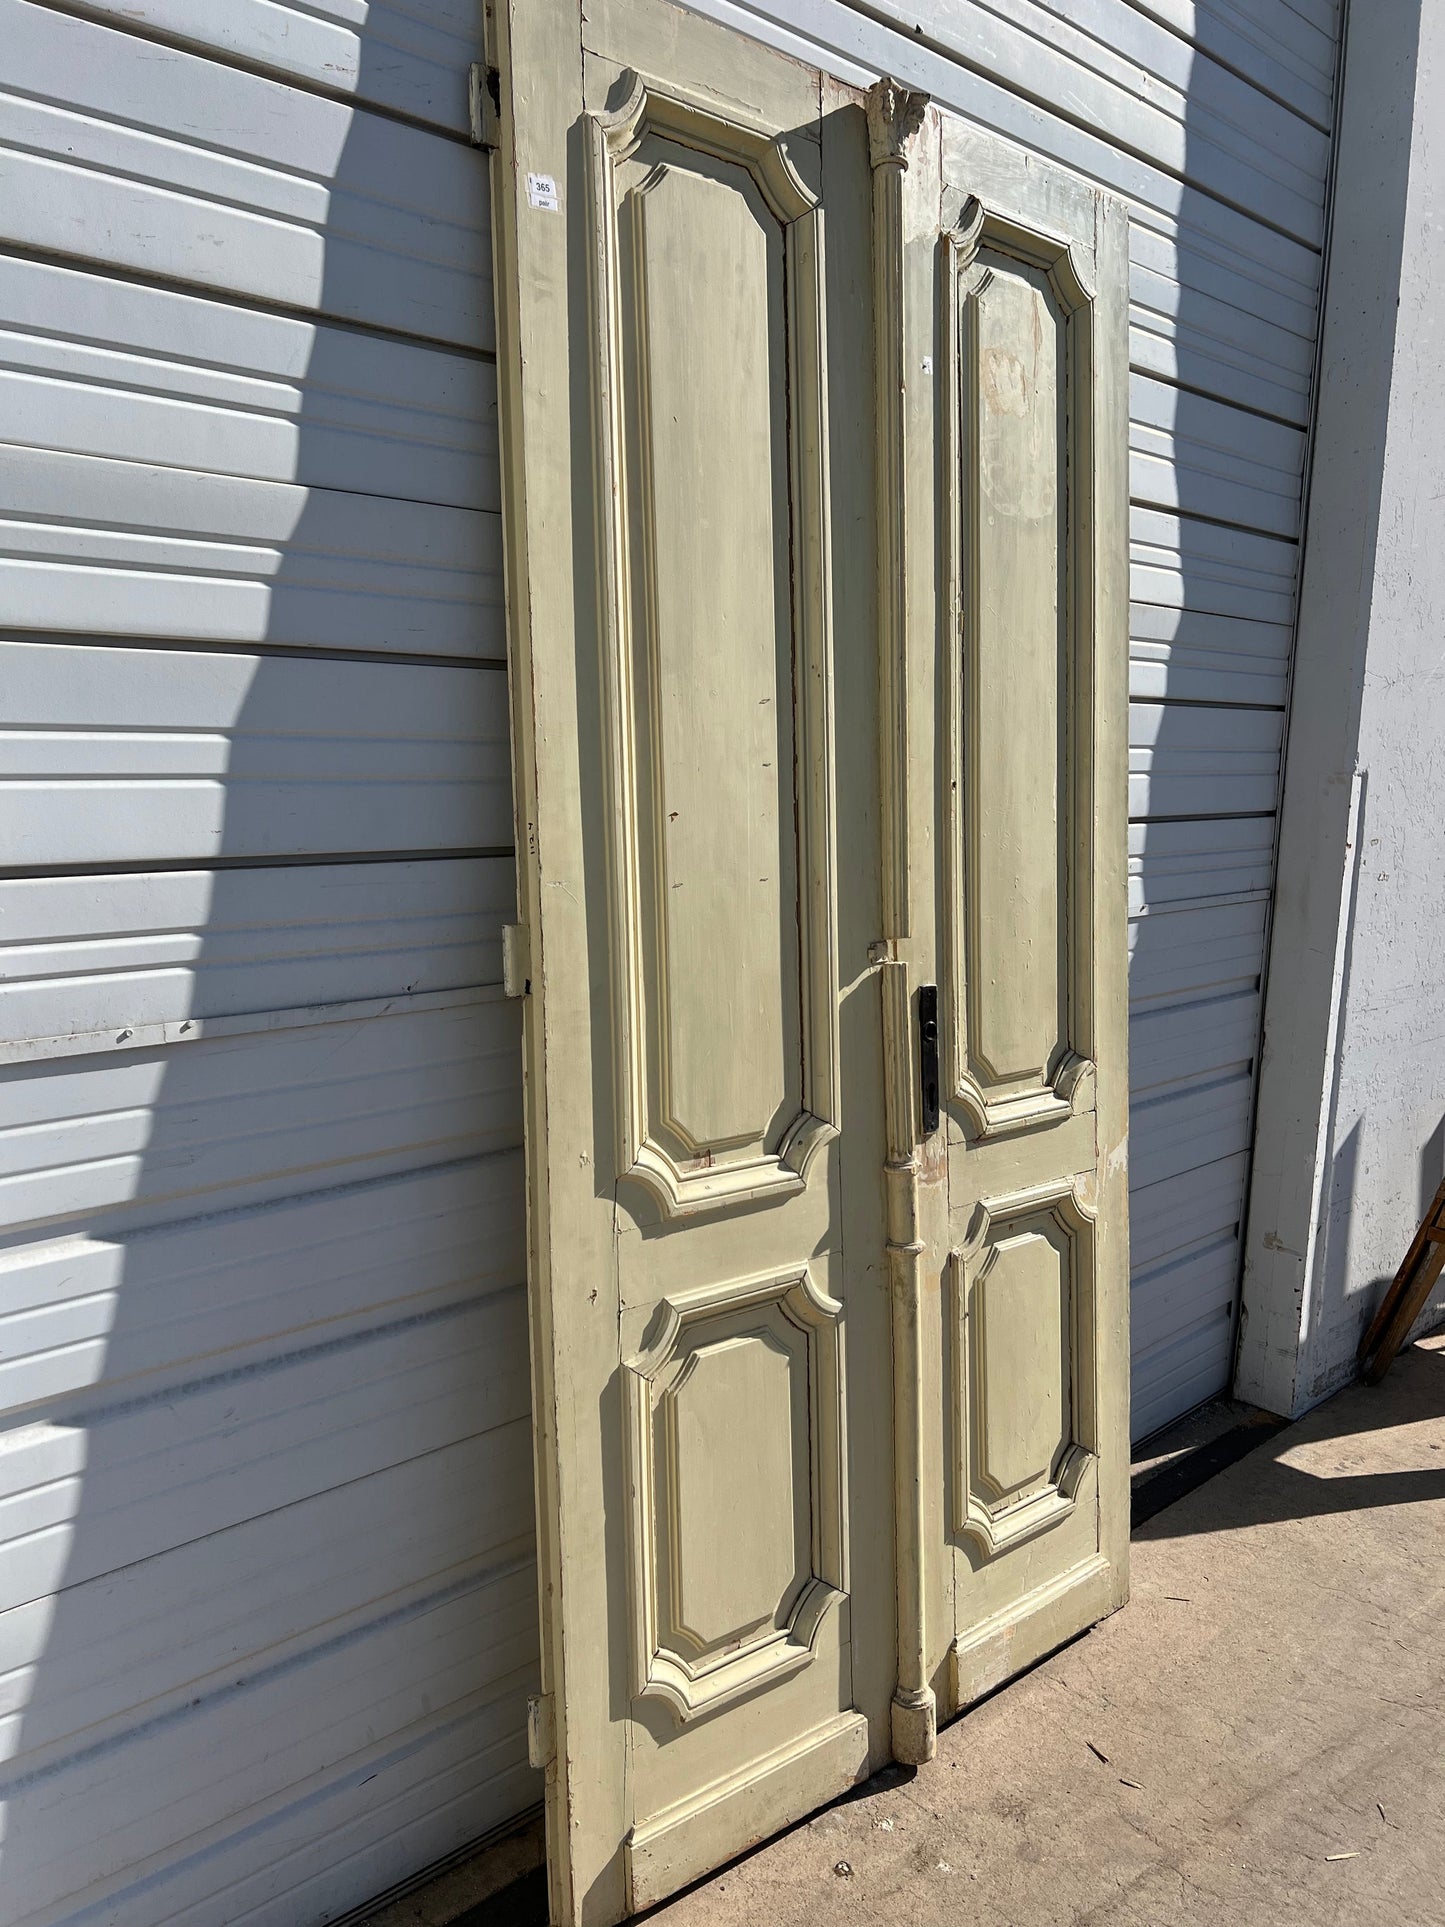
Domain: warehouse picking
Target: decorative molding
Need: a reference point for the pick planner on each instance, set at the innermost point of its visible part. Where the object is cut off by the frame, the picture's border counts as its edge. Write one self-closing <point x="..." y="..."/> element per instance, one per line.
<point x="696" y="122"/>
<point x="984" y="1509"/>
<point x="1060" y="259"/>
<point x="995" y="1100"/>
<point x="895" y="114"/>
<point x="964" y="240"/>
<point x="657" y="1152"/>
<point x="790" y="1312"/>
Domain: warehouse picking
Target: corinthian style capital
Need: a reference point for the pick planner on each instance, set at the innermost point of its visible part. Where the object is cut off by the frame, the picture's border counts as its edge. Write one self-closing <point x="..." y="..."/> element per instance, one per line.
<point x="895" y="114"/>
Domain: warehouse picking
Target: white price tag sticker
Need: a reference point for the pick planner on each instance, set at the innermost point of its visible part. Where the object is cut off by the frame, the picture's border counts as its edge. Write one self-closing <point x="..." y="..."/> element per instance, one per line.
<point x="542" y="192"/>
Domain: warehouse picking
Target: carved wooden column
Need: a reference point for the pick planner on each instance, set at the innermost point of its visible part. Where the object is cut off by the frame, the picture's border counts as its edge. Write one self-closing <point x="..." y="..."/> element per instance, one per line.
<point x="895" y="115"/>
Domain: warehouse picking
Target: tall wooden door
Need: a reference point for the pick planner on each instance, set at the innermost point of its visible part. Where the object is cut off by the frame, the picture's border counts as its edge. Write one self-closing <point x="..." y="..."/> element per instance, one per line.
<point x="1032" y="723"/>
<point x="686" y="375"/>
<point x="814" y="564"/>
<point x="1003" y="289"/>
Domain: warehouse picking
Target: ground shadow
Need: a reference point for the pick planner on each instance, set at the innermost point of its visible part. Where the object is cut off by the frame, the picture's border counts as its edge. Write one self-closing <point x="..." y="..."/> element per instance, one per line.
<point x="1268" y="1486"/>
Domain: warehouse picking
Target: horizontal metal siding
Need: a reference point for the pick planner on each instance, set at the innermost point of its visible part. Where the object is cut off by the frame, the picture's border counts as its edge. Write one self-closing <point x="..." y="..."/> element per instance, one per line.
<point x="135" y="756"/>
<point x="412" y="60"/>
<point x="279" y="1451"/>
<point x="1212" y="121"/>
<point x="202" y="1126"/>
<point x="94" y="365"/>
<point x="86" y="957"/>
<point x="131" y="549"/>
<point x="267" y="1579"/>
<point x="130" y="154"/>
<point x="277" y="1751"/>
<point x="195" y="1461"/>
<point x="434" y="1237"/>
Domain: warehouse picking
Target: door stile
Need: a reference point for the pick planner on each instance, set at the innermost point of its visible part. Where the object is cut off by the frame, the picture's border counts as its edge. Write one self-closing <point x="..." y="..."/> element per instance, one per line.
<point x="1108" y="802"/>
<point x="532" y="352"/>
<point x="896" y="116"/>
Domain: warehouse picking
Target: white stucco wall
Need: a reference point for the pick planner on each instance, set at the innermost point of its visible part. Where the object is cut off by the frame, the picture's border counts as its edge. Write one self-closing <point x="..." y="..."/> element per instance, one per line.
<point x="1351" y="1130"/>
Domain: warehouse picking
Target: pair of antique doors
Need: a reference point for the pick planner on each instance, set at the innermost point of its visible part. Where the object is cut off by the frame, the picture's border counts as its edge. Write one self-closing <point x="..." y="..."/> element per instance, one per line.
<point x="813" y="413"/>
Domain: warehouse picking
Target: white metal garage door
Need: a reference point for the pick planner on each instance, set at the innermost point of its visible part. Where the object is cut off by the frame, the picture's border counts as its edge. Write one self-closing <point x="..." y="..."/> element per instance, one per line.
<point x="1212" y="121"/>
<point x="268" y="1611"/>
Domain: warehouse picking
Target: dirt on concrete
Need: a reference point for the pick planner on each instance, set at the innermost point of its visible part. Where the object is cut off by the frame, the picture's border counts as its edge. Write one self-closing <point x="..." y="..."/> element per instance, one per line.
<point x="1257" y="1740"/>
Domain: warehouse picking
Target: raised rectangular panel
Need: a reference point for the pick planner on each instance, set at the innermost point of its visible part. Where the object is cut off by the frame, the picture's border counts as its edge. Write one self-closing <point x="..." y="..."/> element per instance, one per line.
<point x="734" y="1435"/>
<point x="1017" y="520"/>
<point x="718" y="1600"/>
<point x="1024" y="1365"/>
<point x="713" y="617"/>
<point x="1015" y="1023"/>
<point x="711" y="465"/>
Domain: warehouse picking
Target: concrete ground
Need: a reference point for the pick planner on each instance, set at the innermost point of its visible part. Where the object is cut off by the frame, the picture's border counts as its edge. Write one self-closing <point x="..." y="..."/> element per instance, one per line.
<point x="1257" y="1740"/>
<point x="1271" y="1700"/>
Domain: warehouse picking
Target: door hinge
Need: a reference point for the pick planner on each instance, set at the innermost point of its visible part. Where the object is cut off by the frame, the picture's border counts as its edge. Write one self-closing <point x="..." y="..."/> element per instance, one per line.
<point x="516" y="959"/>
<point x="484" y="100"/>
<point x="541" y="1733"/>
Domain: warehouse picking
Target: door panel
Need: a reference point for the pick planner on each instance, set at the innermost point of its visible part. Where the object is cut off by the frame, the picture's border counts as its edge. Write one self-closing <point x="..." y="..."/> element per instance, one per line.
<point x="688" y="437"/>
<point x="701" y="253"/>
<point x="1017" y="371"/>
<point x="1008" y="1026"/>
<point x="1023" y="1289"/>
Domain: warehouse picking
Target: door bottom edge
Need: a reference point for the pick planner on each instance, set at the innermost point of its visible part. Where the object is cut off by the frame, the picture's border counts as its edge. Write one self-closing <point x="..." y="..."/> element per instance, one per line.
<point x="737" y="1813"/>
<point x="1021" y="1634"/>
